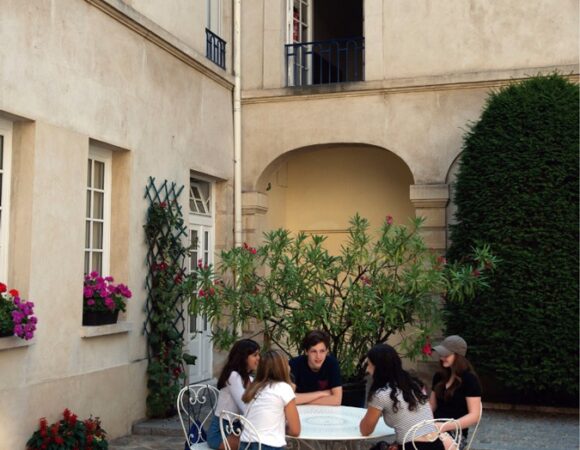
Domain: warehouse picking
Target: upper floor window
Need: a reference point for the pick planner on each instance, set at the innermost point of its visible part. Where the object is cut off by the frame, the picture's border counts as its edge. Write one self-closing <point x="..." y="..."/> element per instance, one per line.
<point x="214" y="16"/>
<point x="200" y="197"/>
<point x="98" y="211"/>
<point x="5" y="165"/>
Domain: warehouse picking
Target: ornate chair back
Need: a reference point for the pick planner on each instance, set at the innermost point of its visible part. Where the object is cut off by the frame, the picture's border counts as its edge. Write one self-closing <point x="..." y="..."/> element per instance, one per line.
<point x="233" y="424"/>
<point x="196" y="405"/>
<point x="452" y="439"/>
<point x="472" y="432"/>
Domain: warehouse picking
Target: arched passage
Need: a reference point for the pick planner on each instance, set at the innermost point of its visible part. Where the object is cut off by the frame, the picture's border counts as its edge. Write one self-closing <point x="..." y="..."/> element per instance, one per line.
<point x="318" y="189"/>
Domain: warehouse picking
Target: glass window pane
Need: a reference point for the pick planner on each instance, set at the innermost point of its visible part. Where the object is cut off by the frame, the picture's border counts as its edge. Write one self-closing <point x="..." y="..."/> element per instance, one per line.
<point x="89" y="173"/>
<point x="88" y="234"/>
<point x="195" y="192"/>
<point x="200" y="206"/>
<point x="193" y="324"/>
<point x="99" y="182"/>
<point x="1" y="152"/>
<point x="1" y="185"/>
<point x="88" y="212"/>
<point x="98" y="207"/>
<point x="87" y="262"/>
<point x="206" y="240"/>
<point x="97" y="263"/>
<point x="97" y="235"/>
<point x="192" y="207"/>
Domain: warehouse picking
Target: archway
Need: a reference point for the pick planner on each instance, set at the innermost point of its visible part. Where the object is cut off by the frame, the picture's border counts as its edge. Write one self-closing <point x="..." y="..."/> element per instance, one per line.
<point x="318" y="189"/>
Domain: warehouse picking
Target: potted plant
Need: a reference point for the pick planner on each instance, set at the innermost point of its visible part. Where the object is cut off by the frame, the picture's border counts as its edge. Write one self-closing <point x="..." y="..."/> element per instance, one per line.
<point x="16" y="314"/>
<point x="102" y="299"/>
<point x="377" y="287"/>
<point x="69" y="433"/>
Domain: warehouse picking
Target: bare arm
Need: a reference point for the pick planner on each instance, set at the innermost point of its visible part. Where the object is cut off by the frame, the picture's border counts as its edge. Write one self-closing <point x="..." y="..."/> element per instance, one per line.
<point x="433" y="401"/>
<point x="334" y="397"/>
<point x="292" y="419"/>
<point x="369" y="421"/>
<point x="472" y="416"/>
<point x="306" y="398"/>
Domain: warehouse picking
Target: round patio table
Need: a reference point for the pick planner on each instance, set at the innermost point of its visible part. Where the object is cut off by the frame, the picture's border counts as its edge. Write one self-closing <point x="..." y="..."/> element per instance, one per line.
<point x="334" y="427"/>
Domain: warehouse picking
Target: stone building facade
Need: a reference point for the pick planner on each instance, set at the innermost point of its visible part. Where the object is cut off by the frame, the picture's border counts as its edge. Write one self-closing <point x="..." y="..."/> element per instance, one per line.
<point x="369" y="119"/>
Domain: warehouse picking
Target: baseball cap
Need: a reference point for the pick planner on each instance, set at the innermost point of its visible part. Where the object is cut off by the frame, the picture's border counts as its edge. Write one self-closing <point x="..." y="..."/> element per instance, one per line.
<point x="452" y="344"/>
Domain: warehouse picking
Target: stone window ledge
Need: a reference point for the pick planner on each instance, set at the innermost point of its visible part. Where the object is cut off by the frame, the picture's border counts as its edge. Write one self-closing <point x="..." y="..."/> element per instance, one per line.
<point x="7" y="343"/>
<point x="106" y="330"/>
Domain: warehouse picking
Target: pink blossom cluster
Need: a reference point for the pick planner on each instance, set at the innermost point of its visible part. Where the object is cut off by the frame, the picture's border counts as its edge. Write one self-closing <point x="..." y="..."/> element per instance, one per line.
<point x="23" y="318"/>
<point x="21" y="312"/>
<point x="100" y="294"/>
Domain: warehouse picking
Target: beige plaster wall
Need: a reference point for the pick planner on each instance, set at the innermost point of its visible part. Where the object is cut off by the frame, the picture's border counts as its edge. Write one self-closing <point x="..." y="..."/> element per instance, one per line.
<point x="428" y="38"/>
<point x="424" y="129"/>
<point x="74" y="77"/>
<point x="319" y="190"/>
<point x="186" y="20"/>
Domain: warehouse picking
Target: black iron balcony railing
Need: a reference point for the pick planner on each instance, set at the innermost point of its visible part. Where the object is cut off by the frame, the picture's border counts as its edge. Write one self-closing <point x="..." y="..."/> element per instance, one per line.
<point x="215" y="48"/>
<point x="325" y="62"/>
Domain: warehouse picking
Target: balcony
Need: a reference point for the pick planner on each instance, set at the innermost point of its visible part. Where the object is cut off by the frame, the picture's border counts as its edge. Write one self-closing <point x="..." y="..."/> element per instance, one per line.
<point x="215" y="49"/>
<point x="325" y="62"/>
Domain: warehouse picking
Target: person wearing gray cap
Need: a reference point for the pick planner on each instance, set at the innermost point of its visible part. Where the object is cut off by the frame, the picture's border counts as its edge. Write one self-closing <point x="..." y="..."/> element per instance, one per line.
<point x="456" y="390"/>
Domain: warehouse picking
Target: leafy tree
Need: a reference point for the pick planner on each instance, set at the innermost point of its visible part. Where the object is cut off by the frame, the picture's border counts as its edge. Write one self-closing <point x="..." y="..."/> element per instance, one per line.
<point x="517" y="189"/>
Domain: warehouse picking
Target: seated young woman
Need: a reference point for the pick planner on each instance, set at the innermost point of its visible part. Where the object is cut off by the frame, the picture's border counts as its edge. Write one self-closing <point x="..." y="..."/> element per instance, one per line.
<point x="271" y="405"/>
<point x="235" y="377"/>
<point x="400" y="399"/>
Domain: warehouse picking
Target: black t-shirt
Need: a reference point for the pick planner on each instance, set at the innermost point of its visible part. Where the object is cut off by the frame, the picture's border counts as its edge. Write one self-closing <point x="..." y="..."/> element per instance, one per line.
<point x="456" y="406"/>
<point x="307" y="380"/>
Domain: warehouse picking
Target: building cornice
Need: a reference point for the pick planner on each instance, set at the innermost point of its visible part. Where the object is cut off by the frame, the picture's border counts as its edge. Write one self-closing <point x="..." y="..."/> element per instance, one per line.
<point x="135" y="21"/>
<point x="478" y="80"/>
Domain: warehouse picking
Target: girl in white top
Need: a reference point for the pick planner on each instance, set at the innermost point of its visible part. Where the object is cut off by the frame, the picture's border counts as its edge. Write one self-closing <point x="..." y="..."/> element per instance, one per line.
<point x="271" y="405"/>
<point x="242" y="360"/>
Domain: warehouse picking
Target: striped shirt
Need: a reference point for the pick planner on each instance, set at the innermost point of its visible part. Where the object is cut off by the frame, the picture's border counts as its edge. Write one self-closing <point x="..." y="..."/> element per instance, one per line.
<point x="403" y="419"/>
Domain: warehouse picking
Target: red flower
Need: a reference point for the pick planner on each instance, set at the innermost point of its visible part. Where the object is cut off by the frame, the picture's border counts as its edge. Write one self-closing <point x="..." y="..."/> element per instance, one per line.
<point x="58" y="440"/>
<point x="211" y="292"/>
<point x="427" y="350"/>
<point x="14" y="293"/>
<point x="389" y="220"/>
<point x="201" y="293"/>
<point x="163" y="204"/>
<point x="253" y="251"/>
<point x="2" y="288"/>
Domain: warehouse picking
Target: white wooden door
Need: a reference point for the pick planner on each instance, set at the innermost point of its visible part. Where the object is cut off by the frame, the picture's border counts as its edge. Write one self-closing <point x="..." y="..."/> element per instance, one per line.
<point x="199" y="329"/>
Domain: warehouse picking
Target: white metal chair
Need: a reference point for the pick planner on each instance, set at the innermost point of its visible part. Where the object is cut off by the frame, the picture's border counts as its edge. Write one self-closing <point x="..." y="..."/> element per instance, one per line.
<point x="472" y="433"/>
<point x="232" y="423"/>
<point x="196" y="406"/>
<point x="453" y="437"/>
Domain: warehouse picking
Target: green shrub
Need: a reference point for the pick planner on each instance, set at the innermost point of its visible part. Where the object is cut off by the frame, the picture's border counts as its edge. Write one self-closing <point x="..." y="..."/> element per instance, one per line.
<point x="517" y="189"/>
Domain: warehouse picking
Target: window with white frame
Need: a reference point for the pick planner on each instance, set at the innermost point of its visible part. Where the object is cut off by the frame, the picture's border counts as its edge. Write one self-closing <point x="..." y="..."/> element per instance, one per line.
<point x="98" y="211"/>
<point x="200" y="197"/>
<point x="5" y="165"/>
<point x="214" y="14"/>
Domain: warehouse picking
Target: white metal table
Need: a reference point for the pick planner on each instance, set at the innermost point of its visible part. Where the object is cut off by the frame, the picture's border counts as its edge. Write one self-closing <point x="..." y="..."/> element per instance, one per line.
<point x="335" y="427"/>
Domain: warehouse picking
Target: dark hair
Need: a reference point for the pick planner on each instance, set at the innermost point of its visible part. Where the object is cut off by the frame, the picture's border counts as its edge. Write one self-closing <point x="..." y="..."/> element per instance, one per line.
<point x="389" y="373"/>
<point x="238" y="361"/>
<point x="273" y="367"/>
<point x="315" y="337"/>
<point x="459" y="367"/>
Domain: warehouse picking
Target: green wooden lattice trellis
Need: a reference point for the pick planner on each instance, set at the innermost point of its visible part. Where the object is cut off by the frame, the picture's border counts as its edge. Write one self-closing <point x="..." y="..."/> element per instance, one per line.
<point x="171" y="238"/>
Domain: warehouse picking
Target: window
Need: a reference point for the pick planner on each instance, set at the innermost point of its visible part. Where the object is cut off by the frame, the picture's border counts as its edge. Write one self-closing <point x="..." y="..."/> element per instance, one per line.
<point x="199" y="197"/>
<point x="214" y="14"/>
<point x="98" y="211"/>
<point x="5" y="164"/>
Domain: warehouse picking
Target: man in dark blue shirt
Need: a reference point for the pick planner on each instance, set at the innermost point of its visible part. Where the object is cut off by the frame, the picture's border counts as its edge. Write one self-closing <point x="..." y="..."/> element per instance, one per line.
<point x="316" y="373"/>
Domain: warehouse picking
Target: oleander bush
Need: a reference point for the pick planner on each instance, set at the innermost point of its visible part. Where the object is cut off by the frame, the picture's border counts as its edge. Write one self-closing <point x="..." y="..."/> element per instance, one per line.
<point x="517" y="189"/>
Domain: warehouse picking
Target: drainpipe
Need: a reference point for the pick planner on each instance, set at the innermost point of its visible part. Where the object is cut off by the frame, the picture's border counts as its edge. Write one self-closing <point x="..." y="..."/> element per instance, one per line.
<point x="237" y="126"/>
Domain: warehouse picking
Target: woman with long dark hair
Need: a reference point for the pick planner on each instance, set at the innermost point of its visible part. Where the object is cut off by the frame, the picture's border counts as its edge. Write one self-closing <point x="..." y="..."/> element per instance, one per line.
<point x="456" y="390"/>
<point x="399" y="398"/>
<point x="235" y="377"/>
<point x="271" y="405"/>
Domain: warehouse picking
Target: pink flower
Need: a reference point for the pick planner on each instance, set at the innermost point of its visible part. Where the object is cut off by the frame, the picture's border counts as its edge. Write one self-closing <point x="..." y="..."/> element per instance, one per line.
<point x="427" y="350"/>
<point x="90" y="302"/>
<point x="389" y="220"/>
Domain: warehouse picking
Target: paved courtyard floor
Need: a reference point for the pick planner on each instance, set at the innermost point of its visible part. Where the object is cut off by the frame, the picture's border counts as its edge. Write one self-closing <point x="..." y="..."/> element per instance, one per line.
<point x="499" y="430"/>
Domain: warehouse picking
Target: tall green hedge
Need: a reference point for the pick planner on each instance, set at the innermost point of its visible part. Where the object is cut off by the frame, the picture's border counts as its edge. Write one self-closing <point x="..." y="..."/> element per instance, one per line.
<point x="517" y="189"/>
